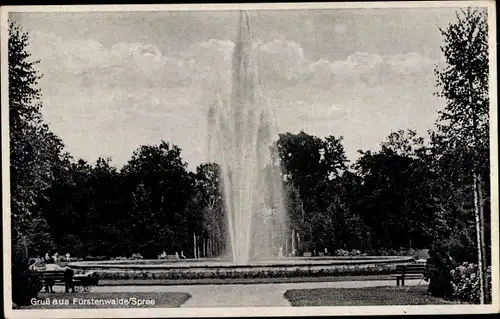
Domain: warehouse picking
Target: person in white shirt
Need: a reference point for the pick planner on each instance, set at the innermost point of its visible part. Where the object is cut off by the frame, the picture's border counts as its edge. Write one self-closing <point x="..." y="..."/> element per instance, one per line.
<point x="49" y="283"/>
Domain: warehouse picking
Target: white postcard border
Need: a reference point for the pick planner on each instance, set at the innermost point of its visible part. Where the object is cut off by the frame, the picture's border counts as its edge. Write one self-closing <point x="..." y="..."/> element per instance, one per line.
<point x="252" y="311"/>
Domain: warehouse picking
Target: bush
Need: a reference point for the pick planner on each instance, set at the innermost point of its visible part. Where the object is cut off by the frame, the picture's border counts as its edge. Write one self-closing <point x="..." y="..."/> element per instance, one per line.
<point x="384" y="252"/>
<point x="406" y="252"/>
<point x="466" y="284"/>
<point x="355" y="252"/>
<point x="440" y="265"/>
<point x="25" y="286"/>
<point x="351" y="270"/>
<point x="341" y="252"/>
<point x="95" y="258"/>
<point x="136" y="257"/>
<point x="120" y="258"/>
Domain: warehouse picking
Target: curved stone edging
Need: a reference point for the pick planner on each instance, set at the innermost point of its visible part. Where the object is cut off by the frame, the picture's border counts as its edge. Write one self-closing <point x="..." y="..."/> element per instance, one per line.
<point x="217" y="264"/>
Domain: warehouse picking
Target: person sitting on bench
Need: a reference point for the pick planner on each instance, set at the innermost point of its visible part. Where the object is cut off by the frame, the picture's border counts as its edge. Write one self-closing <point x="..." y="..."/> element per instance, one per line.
<point x="49" y="283"/>
<point x="68" y="280"/>
<point x="50" y="265"/>
<point x="32" y="264"/>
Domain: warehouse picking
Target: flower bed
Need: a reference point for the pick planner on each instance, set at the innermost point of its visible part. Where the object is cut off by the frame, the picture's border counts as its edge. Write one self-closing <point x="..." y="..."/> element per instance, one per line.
<point x="466" y="284"/>
<point x="235" y="273"/>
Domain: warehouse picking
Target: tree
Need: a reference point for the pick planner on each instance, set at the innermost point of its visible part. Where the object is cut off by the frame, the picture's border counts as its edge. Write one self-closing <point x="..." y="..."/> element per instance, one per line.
<point x="464" y="84"/>
<point x="159" y="189"/>
<point x="396" y="192"/>
<point x="312" y="169"/>
<point x="403" y="143"/>
<point x="33" y="148"/>
<point x="300" y="158"/>
<point x="334" y="158"/>
<point x="209" y="186"/>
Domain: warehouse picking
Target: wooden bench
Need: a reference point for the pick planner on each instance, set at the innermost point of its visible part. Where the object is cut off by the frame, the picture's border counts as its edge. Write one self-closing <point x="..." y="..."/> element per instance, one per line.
<point x="85" y="281"/>
<point x="48" y="278"/>
<point x="409" y="271"/>
<point x="54" y="276"/>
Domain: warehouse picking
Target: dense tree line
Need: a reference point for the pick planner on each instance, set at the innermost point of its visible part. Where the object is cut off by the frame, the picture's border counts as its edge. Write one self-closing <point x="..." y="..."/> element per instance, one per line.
<point x="410" y="193"/>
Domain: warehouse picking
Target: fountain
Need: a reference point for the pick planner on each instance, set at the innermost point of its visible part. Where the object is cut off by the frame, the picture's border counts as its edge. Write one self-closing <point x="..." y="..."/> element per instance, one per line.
<point x="241" y="135"/>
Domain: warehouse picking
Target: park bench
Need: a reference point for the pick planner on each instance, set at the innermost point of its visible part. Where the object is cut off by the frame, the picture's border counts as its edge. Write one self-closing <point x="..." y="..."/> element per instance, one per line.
<point x="409" y="271"/>
<point x="85" y="281"/>
<point x="78" y="281"/>
<point x="50" y="277"/>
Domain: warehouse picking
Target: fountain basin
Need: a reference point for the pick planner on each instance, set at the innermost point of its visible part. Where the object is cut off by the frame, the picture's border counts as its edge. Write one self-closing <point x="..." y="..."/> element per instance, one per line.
<point x="224" y="269"/>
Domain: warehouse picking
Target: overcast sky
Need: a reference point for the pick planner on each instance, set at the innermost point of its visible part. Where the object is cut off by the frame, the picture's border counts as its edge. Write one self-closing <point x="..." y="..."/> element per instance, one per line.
<point x="115" y="81"/>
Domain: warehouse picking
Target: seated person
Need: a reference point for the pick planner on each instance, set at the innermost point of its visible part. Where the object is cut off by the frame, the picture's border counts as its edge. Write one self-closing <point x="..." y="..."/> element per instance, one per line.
<point x="49" y="283"/>
<point x="54" y="266"/>
<point x="68" y="280"/>
<point x="32" y="264"/>
<point x="38" y="265"/>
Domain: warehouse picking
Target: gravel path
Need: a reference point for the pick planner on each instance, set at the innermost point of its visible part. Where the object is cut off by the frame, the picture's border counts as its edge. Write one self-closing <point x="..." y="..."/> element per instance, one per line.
<point x="253" y="295"/>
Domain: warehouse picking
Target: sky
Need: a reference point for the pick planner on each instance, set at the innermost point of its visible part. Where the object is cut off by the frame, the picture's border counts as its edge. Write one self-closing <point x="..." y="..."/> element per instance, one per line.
<point x="113" y="81"/>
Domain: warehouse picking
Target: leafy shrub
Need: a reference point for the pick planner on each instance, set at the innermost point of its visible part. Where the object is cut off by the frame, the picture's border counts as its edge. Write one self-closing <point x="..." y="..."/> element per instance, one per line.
<point x="391" y="252"/>
<point x="384" y="252"/>
<point x="406" y="252"/>
<point x="440" y="265"/>
<point x="25" y="285"/>
<point x="96" y="258"/>
<point x="341" y="252"/>
<point x="136" y="257"/>
<point x="355" y="252"/>
<point x="466" y="284"/>
<point x="350" y="270"/>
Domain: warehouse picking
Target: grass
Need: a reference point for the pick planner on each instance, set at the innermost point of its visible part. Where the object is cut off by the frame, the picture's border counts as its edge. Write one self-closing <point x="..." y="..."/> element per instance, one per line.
<point x="82" y="300"/>
<point x="369" y="296"/>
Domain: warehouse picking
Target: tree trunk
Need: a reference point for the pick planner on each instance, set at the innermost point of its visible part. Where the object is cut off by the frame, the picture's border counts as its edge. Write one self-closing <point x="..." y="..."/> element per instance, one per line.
<point x="198" y="249"/>
<point x="218" y="244"/>
<point x="215" y="243"/>
<point x="478" y="207"/>
<point x="202" y="246"/>
<point x="213" y="246"/>
<point x="205" y="247"/>
<point x="194" y="246"/>
<point x="483" y="243"/>
<point x="479" y="239"/>
<point x="209" y="246"/>
<point x="286" y="243"/>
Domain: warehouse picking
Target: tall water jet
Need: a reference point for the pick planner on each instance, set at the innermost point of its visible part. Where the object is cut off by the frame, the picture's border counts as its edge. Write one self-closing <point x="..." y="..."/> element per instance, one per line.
<point x="241" y="133"/>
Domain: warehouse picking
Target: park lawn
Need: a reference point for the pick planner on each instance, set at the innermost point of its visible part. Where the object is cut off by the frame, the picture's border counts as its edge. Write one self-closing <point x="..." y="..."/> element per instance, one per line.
<point x="161" y="300"/>
<point x="368" y="296"/>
